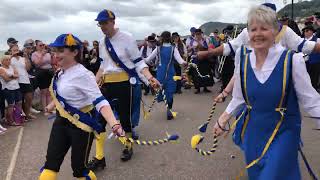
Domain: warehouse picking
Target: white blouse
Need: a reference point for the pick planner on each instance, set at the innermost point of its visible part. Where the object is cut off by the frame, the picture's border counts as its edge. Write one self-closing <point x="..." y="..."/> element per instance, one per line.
<point x="155" y="52"/>
<point x="308" y="97"/>
<point x="289" y="40"/>
<point x="20" y="65"/>
<point x="127" y="50"/>
<point x="78" y="87"/>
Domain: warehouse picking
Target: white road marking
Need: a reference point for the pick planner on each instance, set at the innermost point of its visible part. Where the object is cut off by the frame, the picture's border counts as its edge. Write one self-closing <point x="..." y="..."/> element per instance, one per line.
<point x="14" y="156"/>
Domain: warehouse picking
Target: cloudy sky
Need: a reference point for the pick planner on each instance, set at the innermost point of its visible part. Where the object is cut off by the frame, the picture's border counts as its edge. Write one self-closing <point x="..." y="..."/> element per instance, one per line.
<point x="45" y="19"/>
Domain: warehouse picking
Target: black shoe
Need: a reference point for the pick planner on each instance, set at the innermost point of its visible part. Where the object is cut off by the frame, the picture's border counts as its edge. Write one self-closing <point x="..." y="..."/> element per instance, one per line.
<point x="169" y="116"/>
<point x="197" y="92"/>
<point x="126" y="154"/>
<point x="179" y="92"/>
<point x="145" y="93"/>
<point x="206" y="90"/>
<point x="96" y="164"/>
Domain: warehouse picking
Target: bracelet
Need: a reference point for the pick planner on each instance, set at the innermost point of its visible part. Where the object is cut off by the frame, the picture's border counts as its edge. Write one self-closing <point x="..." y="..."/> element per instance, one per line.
<point x="226" y="92"/>
<point x="115" y="125"/>
<point x="223" y="129"/>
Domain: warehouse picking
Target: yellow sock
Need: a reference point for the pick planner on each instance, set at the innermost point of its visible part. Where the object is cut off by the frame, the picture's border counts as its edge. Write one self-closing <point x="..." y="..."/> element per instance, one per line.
<point x="129" y="144"/>
<point x="100" y="145"/>
<point x="91" y="175"/>
<point x="48" y="175"/>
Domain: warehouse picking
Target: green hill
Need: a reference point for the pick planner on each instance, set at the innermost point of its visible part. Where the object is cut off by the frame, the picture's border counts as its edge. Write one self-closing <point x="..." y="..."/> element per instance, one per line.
<point x="209" y="27"/>
<point x="301" y="9"/>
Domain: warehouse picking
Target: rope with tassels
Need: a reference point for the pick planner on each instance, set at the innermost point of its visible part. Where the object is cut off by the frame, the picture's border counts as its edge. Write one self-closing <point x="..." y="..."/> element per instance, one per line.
<point x="158" y="92"/>
<point x="170" y="138"/>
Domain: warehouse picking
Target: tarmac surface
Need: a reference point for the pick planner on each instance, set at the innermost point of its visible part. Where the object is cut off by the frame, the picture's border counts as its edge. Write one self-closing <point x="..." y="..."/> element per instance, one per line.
<point x="176" y="161"/>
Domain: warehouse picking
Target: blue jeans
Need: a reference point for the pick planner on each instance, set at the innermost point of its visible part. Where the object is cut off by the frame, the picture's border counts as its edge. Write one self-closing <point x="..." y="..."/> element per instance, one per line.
<point x="135" y="108"/>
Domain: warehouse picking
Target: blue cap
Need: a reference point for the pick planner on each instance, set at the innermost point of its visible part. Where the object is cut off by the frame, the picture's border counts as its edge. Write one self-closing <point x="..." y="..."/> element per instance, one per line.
<point x="105" y="15"/>
<point x="67" y="40"/>
<point x="193" y="29"/>
<point x="270" y="5"/>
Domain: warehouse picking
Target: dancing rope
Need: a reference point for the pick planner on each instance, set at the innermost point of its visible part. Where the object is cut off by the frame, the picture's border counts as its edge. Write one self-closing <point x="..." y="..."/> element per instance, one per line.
<point x="170" y="138"/>
<point x="195" y="66"/>
<point x="147" y="114"/>
<point x="197" y="139"/>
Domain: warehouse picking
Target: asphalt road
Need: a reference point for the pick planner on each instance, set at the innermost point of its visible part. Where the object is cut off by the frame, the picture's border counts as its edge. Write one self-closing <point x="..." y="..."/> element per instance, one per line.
<point x="165" y="162"/>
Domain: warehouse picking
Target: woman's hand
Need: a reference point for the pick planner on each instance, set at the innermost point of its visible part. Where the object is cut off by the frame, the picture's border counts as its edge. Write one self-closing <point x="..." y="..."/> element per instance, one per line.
<point x="117" y="130"/>
<point x="220" y="126"/>
<point x="221" y="97"/>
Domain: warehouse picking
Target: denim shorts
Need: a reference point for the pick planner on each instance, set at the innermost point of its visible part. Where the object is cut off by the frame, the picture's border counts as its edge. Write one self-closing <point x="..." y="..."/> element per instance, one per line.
<point x="12" y="96"/>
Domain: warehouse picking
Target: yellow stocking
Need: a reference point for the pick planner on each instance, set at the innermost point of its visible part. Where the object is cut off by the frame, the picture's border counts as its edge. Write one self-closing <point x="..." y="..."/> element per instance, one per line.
<point x="91" y="175"/>
<point x="100" y="141"/>
<point x="48" y="175"/>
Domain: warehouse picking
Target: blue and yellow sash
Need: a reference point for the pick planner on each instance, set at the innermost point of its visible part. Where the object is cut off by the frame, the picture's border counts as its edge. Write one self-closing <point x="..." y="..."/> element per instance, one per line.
<point x="81" y="119"/>
<point x="131" y="72"/>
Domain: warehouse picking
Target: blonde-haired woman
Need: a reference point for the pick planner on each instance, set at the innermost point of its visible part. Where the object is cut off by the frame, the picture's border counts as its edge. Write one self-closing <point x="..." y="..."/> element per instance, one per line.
<point x="10" y="88"/>
<point x="271" y="82"/>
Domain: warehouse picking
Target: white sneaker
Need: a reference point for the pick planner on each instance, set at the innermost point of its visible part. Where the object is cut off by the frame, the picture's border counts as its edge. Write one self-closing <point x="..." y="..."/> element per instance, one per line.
<point x="34" y="111"/>
<point x="1" y="132"/>
<point x="2" y="128"/>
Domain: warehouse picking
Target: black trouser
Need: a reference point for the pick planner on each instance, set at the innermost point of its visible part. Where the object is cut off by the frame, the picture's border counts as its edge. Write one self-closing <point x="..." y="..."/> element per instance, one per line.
<point x="227" y="71"/>
<point x="63" y="136"/>
<point x="314" y="73"/>
<point x="177" y="69"/>
<point x="122" y="92"/>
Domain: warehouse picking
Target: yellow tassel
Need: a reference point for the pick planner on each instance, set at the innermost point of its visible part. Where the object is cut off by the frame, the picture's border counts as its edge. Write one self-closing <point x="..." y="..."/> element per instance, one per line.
<point x="174" y="114"/>
<point x="195" y="140"/>
<point x="70" y="41"/>
<point x="177" y="78"/>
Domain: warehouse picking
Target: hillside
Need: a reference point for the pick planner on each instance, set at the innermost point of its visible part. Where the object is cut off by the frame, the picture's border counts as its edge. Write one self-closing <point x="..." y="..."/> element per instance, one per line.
<point x="302" y="9"/>
<point x="209" y="27"/>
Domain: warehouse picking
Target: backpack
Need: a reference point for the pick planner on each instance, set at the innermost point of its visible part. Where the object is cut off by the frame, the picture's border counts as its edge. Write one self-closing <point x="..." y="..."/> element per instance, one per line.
<point x="17" y="115"/>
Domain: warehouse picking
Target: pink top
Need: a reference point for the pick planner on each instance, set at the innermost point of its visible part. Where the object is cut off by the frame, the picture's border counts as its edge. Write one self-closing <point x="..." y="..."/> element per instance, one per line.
<point x="41" y="61"/>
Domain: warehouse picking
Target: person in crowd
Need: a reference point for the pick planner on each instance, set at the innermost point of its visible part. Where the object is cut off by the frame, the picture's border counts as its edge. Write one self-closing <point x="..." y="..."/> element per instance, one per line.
<point x="42" y="60"/>
<point x="313" y="59"/>
<point x="10" y="88"/>
<point x="145" y="51"/>
<point x="203" y="77"/>
<point x="184" y="54"/>
<point x="22" y="65"/>
<point x="94" y="57"/>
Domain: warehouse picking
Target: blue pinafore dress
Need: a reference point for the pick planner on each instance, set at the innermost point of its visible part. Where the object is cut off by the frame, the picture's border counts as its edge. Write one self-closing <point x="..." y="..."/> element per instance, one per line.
<point x="165" y="73"/>
<point x="280" y="161"/>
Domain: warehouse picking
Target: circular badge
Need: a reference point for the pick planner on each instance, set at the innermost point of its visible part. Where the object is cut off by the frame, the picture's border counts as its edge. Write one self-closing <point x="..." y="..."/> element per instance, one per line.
<point x="133" y="80"/>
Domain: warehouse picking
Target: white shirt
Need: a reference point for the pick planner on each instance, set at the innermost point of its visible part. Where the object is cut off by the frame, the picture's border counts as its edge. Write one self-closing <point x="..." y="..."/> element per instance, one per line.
<point x="149" y="51"/>
<point x="188" y="41"/>
<point x="308" y="97"/>
<point x="127" y="50"/>
<point x="289" y="40"/>
<point x="155" y="52"/>
<point x="12" y="84"/>
<point x="78" y="86"/>
<point x="20" y="64"/>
